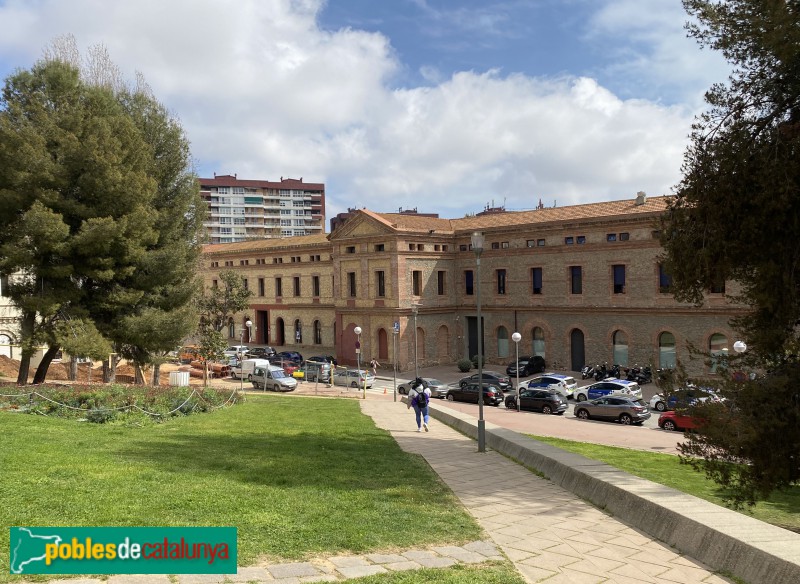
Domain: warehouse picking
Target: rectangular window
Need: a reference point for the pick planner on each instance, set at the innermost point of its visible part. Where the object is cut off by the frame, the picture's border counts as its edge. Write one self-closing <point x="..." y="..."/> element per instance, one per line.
<point x="569" y="240"/>
<point x="495" y="245"/>
<point x="575" y="280"/>
<point x="380" y="247"/>
<point x="380" y="283"/>
<point x="501" y="281"/>
<point x="530" y="243"/>
<point x="350" y="249"/>
<point x="315" y="285"/>
<point x="420" y="247"/>
<point x="297" y="285"/>
<point x="469" y="284"/>
<point x="214" y="283"/>
<point x="412" y="247"/>
<point x="611" y="237"/>
<point x="244" y="284"/>
<point x="540" y="243"/>
<point x="581" y="239"/>
<point x="351" y="284"/>
<point x="444" y="248"/>
<point x="462" y="247"/>
<point x="278" y="287"/>
<point x="441" y="276"/>
<point x="536" y="280"/>
<point x="261" y="286"/>
<point x="664" y="280"/>
<point x="624" y="236"/>
<point x="503" y="245"/>
<point x="416" y="283"/>
<point x="437" y="247"/>
<point x="619" y="279"/>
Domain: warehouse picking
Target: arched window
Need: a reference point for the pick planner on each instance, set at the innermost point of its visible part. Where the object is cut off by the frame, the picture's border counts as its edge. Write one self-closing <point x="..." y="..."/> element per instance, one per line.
<point x="502" y="342"/>
<point x="620" y="342"/>
<point x="717" y="347"/>
<point x="317" y="333"/>
<point x="666" y="351"/>
<point x="538" y="341"/>
<point x="231" y="329"/>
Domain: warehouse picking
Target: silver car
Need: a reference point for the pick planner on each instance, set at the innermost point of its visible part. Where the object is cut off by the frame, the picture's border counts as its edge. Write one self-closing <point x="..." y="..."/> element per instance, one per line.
<point x="438" y="388"/>
<point x="353" y="378"/>
<point x="614" y="408"/>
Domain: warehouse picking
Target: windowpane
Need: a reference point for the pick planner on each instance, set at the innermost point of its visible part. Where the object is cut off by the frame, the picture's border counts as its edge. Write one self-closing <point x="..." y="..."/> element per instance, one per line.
<point x="416" y="283"/>
<point x="502" y="342"/>
<point x="717" y="347"/>
<point x="666" y="351"/>
<point x="351" y="280"/>
<point x="664" y="280"/>
<point x="576" y="280"/>
<point x="538" y="341"/>
<point x="536" y="276"/>
<point x="381" y="283"/>
<point x="620" y="340"/>
<point x="278" y="287"/>
<point x="501" y="281"/>
<point x="468" y="282"/>
<point x="315" y="282"/>
<point x="619" y="279"/>
<point x="440" y="281"/>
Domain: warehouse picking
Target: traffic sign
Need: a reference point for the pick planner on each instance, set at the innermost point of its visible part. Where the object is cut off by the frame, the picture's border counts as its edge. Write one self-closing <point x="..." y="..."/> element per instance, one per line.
<point x="396" y="326"/>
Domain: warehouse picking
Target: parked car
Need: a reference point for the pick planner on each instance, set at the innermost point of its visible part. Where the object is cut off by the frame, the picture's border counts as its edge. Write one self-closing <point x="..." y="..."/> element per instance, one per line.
<point x="492" y="395"/>
<point x="260" y="352"/>
<point x="317" y="371"/>
<point x="245" y="368"/>
<point x="290" y="356"/>
<point x="547" y="401"/>
<point x="438" y="388"/>
<point x="527" y="366"/>
<point x="323" y="359"/>
<point x="563" y="383"/>
<point x="236" y="350"/>
<point x="624" y="409"/>
<point x="491" y="377"/>
<point x="353" y="378"/>
<point x="608" y="387"/>
<point x="682" y="397"/>
<point x="673" y="421"/>
<point x="272" y="378"/>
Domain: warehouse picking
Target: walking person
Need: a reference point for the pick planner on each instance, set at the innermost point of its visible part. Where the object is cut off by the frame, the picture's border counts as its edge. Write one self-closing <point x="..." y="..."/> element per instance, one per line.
<point x="374" y="364"/>
<point x="419" y="397"/>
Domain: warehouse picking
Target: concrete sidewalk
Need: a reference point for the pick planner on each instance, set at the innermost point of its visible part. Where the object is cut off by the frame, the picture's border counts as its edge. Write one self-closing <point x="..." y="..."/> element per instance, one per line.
<point x="550" y="534"/>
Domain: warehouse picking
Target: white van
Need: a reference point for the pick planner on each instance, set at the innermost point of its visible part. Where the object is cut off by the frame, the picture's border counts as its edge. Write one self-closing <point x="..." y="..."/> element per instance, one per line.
<point x="245" y="368"/>
<point x="273" y="378"/>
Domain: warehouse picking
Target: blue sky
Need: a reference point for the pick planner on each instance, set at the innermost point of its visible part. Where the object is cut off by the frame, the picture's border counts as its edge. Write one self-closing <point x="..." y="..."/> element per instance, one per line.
<point x="443" y="105"/>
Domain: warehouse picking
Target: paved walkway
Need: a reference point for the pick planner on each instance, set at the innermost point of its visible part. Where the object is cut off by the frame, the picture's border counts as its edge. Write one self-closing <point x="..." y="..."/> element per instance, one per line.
<point x="549" y="534"/>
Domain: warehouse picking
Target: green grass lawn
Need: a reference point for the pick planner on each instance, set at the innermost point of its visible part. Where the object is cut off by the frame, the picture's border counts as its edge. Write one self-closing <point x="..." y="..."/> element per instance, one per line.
<point x="782" y="508"/>
<point x="299" y="477"/>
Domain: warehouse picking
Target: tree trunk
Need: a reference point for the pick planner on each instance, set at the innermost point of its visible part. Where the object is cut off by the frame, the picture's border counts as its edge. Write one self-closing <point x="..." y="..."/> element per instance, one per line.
<point x="73" y="368"/>
<point x="106" y="371"/>
<point x="139" y="375"/>
<point x="205" y="373"/>
<point x="156" y="374"/>
<point x="114" y="360"/>
<point x="41" y="370"/>
<point x="27" y="324"/>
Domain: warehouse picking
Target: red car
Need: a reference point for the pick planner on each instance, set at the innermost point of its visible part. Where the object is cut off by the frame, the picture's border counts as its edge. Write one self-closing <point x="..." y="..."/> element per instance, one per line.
<point x="673" y="421"/>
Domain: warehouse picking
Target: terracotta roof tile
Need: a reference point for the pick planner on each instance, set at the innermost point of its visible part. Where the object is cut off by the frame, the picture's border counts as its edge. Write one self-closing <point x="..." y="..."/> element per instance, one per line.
<point x="268" y="244"/>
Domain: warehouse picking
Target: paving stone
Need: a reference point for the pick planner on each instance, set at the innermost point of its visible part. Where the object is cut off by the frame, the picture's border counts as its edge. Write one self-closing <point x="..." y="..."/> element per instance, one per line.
<point x="71" y="581"/>
<point x="249" y="574"/>
<point x="361" y="571"/>
<point x="460" y="554"/>
<point x="139" y="579"/>
<point x="437" y="562"/>
<point x="400" y="566"/>
<point x="348" y="561"/>
<point x="200" y="578"/>
<point x="320" y="578"/>
<point x="385" y="558"/>
<point x="296" y="570"/>
<point x="419" y="555"/>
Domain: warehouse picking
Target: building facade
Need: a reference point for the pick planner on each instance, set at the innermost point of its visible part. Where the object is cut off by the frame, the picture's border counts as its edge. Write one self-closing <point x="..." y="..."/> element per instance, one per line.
<point x="581" y="284"/>
<point x="239" y="210"/>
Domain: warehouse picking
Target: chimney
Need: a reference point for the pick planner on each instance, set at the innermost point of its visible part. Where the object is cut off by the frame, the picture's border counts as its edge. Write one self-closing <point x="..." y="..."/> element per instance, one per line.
<point x="641" y="198"/>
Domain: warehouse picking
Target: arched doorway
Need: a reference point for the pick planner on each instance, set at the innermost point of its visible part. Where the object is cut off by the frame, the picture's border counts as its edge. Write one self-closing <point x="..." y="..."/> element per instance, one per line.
<point x="443" y="343"/>
<point x="383" y="345"/>
<point x="280" y="332"/>
<point x="577" y="350"/>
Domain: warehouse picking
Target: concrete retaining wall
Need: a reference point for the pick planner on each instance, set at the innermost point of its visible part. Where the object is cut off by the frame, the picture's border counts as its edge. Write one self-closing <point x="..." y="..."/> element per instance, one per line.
<point x="727" y="541"/>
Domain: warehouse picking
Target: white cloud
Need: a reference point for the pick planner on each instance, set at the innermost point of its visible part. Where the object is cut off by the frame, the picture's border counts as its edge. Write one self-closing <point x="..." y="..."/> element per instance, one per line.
<point x="263" y="92"/>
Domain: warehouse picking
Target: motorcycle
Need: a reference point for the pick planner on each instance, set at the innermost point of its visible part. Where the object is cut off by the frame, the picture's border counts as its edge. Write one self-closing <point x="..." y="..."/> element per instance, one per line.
<point x="601" y="372"/>
<point x="587" y="371"/>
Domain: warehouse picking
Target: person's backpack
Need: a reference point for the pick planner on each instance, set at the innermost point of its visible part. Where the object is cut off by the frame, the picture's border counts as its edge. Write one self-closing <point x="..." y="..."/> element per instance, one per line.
<point x="421" y="399"/>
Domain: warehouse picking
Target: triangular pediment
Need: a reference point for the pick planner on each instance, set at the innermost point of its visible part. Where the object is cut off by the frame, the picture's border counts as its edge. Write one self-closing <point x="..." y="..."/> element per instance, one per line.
<point x="363" y="224"/>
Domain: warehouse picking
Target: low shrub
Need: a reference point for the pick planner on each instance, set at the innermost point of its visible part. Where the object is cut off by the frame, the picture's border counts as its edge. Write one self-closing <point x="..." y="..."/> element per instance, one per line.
<point x="475" y="361"/>
<point x="464" y="365"/>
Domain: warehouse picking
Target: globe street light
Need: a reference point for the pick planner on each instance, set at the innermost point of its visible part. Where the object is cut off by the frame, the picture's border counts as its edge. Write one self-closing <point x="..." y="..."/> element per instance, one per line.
<point x="247" y="324"/>
<point x="477" y="247"/>
<point x="357" y="330"/>
<point x="516" y="337"/>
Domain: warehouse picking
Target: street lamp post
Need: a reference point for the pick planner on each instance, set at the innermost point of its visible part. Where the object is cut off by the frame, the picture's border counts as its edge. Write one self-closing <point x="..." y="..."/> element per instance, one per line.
<point x="477" y="247"/>
<point x="395" y="331"/>
<point x="516" y="337"/>
<point x="740" y="347"/>
<point x="415" y="311"/>
<point x="248" y="323"/>
<point x="357" y="330"/>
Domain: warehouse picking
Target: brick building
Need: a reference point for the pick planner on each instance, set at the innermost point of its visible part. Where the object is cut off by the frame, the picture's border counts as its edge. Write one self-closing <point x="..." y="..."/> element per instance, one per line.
<point x="582" y="284"/>
<point x="239" y="210"/>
